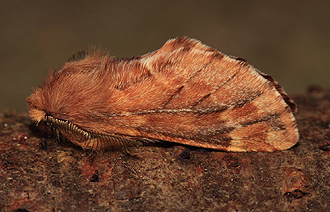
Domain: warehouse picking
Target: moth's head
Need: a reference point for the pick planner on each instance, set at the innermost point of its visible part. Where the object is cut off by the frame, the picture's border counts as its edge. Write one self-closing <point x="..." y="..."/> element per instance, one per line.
<point x="66" y="92"/>
<point x="37" y="115"/>
<point x="36" y="104"/>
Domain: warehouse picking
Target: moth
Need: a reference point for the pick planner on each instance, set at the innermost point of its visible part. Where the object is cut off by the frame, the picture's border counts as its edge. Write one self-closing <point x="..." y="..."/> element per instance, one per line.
<point x="185" y="92"/>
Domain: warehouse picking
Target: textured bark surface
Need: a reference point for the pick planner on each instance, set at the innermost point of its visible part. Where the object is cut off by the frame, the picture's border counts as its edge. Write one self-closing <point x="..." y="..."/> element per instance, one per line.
<point x="39" y="174"/>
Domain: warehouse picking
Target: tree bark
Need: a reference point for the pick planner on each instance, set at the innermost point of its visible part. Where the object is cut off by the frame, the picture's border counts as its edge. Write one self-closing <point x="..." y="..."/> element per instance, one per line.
<point x="39" y="174"/>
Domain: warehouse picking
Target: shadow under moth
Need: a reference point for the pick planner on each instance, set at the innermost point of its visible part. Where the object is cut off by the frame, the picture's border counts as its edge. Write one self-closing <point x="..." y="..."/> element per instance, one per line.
<point x="185" y="92"/>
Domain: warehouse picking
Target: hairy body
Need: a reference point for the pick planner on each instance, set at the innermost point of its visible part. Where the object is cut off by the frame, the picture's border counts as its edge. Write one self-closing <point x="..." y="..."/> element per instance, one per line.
<point x="185" y="92"/>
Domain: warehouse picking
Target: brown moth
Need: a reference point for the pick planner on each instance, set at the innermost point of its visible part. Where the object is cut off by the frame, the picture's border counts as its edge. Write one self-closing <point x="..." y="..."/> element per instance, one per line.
<point x="185" y="92"/>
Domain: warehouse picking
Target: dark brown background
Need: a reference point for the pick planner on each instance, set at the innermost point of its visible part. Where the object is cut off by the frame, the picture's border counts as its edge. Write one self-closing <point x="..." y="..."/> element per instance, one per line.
<point x="287" y="39"/>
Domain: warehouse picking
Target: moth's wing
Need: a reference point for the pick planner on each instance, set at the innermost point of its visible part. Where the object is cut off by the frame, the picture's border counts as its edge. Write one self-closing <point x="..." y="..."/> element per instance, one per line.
<point x="189" y="93"/>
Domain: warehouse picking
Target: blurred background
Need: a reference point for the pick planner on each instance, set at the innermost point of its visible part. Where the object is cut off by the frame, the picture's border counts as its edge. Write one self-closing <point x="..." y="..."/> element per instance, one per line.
<point x="286" y="39"/>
